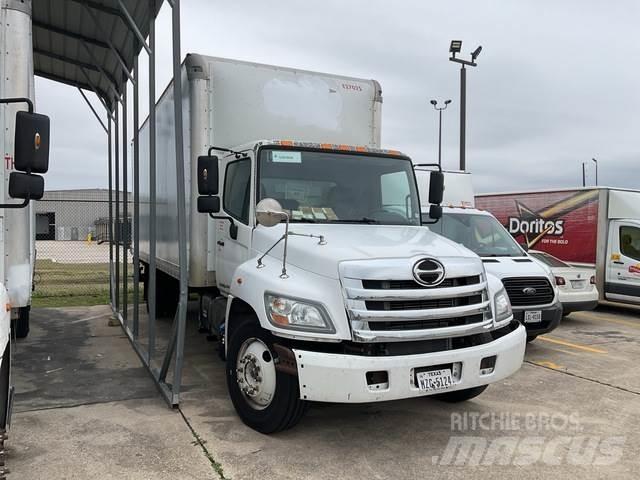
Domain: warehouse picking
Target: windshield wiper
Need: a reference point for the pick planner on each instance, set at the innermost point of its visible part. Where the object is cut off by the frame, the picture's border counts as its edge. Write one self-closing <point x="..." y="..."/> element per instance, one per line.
<point x="303" y="220"/>
<point x="362" y="220"/>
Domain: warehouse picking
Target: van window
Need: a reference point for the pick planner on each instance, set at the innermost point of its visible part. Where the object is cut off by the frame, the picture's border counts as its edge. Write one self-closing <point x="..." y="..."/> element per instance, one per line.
<point x="630" y="242"/>
<point x="237" y="183"/>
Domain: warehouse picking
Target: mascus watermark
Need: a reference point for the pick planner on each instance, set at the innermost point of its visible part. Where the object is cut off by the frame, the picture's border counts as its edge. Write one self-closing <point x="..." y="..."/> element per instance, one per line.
<point x="526" y="439"/>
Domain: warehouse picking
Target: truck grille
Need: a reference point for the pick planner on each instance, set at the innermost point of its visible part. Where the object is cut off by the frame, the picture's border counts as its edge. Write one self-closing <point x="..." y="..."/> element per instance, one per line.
<point x="541" y="292"/>
<point x="401" y="309"/>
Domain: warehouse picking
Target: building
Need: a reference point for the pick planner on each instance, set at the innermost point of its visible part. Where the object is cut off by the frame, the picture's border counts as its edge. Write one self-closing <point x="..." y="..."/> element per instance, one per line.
<point x="72" y="214"/>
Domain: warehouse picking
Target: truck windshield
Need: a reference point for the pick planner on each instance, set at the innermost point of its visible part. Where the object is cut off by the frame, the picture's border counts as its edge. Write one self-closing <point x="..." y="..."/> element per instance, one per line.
<point x="481" y="234"/>
<point x="332" y="187"/>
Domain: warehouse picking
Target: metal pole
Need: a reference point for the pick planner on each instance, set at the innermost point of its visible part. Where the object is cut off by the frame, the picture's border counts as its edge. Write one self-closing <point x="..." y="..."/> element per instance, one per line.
<point x="440" y="138"/>
<point x="110" y="226"/>
<point x="116" y="148"/>
<point x="463" y="115"/>
<point x="596" y="162"/>
<point x="182" y="208"/>
<point x="136" y="203"/>
<point x="125" y="216"/>
<point x="584" y="179"/>
<point x="151" y="282"/>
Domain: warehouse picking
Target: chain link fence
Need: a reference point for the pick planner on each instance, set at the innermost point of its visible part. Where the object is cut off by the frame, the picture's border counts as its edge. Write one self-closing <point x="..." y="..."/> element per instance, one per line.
<point x="72" y="248"/>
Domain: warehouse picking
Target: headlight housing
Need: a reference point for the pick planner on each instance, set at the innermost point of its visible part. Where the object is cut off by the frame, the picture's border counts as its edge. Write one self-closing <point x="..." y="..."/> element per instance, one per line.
<point x="296" y="314"/>
<point x="501" y="306"/>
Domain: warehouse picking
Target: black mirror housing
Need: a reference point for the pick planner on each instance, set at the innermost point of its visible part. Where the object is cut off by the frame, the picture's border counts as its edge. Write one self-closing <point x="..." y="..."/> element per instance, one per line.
<point x="31" y="143"/>
<point x="436" y="189"/>
<point x="208" y="175"/>
<point x="26" y="186"/>
<point x="524" y="246"/>
<point x="435" y="212"/>
<point x="208" y="204"/>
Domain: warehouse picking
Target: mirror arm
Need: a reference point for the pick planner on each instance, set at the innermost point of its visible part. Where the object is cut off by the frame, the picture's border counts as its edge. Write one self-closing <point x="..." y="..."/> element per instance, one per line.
<point x="222" y="217"/>
<point x="19" y="100"/>
<point x="16" y="205"/>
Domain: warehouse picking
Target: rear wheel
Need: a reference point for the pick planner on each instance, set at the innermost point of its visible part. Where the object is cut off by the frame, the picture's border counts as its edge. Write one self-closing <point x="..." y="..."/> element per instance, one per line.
<point x="461" y="395"/>
<point x="21" y="324"/>
<point x="266" y="399"/>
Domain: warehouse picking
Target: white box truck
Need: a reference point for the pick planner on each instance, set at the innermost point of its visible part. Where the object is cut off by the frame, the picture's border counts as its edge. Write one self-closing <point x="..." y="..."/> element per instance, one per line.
<point x="24" y="142"/>
<point x="594" y="226"/>
<point x="530" y="285"/>
<point x="308" y="251"/>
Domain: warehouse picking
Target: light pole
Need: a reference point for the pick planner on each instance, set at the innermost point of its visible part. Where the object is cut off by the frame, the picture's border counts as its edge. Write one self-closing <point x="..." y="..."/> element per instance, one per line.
<point x="596" y="162"/>
<point x="584" y="178"/>
<point x="440" y="109"/>
<point x="456" y="46"/>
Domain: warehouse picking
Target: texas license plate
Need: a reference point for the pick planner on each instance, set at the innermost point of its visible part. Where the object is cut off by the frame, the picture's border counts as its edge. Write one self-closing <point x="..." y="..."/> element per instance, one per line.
<point x="434" y="380"/>
<point x="578" y="284"/>
<point x="533" y="316"/>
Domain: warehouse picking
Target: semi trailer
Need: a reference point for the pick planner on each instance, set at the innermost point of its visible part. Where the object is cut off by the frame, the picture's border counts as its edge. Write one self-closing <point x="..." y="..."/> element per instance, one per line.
<point x="530" y="285"/>
<point x="595" y="226"/>
<point x="307" y="251"/>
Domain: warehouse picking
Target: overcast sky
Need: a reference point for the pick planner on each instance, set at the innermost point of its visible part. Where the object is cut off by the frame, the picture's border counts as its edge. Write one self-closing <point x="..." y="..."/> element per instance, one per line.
<point x="557" y="83"/>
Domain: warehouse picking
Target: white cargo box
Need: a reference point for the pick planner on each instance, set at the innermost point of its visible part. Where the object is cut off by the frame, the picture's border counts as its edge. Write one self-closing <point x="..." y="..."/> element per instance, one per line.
<point x="228" y="103"/>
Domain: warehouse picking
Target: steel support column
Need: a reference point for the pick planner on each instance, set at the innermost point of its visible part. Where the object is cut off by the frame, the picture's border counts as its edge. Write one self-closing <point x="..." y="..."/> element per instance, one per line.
<point x="125" y="218"/>
<point x="151" y="274"/>
<point x="116" y="148"/>
<point x="136" y="203"/>
<point x="110" y="226"/>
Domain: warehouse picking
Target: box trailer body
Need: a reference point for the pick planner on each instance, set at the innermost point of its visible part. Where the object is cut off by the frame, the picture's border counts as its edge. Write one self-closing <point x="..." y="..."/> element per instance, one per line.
<point x="227" y="103"/>
<point x="541" y="311"/>
<point x="593" y="226"/>
<point x="348" y="300"/>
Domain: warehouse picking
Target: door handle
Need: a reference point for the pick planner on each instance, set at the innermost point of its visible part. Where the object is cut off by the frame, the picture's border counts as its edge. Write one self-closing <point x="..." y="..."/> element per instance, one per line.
<point x="220" y="242"/>
<point x="618" y="263"/>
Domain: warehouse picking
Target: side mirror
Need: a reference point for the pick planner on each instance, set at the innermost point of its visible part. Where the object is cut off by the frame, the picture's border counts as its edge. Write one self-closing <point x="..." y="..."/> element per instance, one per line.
<point x="269" y="212"/>
<point x="31" y="145"/>
<point x="435" y="212"/>
<point x="436" y="189"/>
<point x="26" y="186"/>
<point x="525" y="246"/>
<point x="208" y="204"/>
<point x="208" y="175"/>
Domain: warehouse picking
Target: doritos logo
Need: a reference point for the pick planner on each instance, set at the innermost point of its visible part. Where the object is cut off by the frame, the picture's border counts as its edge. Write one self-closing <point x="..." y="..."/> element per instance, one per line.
<point x="634" y="268"/>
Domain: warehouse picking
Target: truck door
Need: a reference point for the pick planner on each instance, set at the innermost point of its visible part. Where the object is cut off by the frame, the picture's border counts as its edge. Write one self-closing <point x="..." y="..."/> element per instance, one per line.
<point x="233" y="239"/>
<point x="623" y="267"/>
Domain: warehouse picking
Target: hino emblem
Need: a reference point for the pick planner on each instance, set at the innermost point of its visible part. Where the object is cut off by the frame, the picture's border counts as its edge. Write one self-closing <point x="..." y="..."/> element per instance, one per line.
<point x="428" y="272"/>
<point x="529" y="291"/>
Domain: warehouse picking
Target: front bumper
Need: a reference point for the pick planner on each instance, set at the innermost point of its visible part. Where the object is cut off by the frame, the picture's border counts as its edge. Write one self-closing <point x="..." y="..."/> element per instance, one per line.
<point x="330" y="377"/>
<point x="551" y="316"/>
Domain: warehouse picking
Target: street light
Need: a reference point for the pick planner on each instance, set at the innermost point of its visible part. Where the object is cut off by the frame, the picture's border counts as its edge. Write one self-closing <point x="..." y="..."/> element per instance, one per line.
<point x="439" y="110"/>
<point x="455" y="48"/>
<point x="596" y="162"/>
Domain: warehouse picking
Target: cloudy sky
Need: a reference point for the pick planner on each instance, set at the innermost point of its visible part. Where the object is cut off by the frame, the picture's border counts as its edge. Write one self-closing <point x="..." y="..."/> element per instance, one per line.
<point x="557" y="82"/>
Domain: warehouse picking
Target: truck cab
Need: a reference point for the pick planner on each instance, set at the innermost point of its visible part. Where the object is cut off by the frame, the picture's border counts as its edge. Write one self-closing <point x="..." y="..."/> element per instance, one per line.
<point x="334" y="292"/>
<point x="530" y="285"/>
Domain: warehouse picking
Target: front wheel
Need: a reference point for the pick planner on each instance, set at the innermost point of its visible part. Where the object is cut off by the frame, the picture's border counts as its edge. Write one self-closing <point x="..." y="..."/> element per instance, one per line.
<point x="266" y="399"/>
<point x="21" y="324"/>
<point x="531" y="338"/>
<point x="461" y="395"/>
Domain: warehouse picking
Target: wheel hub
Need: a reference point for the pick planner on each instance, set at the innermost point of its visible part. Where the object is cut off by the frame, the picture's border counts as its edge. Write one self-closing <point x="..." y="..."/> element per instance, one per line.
<point x="256" y="374"/>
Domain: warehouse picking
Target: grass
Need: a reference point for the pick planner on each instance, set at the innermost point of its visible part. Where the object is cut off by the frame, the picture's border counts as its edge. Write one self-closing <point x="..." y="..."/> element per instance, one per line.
<point x="71" y="284"/>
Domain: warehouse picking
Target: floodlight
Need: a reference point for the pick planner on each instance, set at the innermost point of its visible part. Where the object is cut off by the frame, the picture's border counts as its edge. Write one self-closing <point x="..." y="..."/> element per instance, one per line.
<point x="475" y="53"/>
<point x="456" y="46"/>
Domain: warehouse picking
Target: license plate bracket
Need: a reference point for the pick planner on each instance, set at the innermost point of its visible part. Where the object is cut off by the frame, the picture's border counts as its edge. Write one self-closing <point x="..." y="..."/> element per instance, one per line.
<point x="533" y="316"/>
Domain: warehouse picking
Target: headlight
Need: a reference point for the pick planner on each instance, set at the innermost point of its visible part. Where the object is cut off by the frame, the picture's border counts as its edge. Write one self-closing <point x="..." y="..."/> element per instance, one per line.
<point x="502" y="306"/>
<point x="297" y="314"/>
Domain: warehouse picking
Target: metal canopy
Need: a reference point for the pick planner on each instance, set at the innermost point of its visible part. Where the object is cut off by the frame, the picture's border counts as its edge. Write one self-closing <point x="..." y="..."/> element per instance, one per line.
<point x="90" y="44"/>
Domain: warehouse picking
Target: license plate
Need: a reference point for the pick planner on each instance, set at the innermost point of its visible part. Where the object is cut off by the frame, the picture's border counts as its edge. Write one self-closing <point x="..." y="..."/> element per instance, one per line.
<point x="578" y="284"/>
<point x="434" y="380"/>
<point x="533" y="316"/>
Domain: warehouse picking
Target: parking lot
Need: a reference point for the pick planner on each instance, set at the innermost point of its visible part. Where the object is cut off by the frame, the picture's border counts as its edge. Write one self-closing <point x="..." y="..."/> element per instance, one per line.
<point x="85" y="408"/>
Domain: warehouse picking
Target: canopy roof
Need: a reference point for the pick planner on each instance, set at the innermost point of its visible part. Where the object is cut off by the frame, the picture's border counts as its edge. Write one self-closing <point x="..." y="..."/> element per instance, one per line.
<point x="90" y="44"/>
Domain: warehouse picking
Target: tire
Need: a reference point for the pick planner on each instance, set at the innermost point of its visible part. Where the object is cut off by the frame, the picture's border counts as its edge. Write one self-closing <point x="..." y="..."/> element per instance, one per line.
<point x="276" y="405"/>
<point x="21" y="324"/>
<point x="461" y="395"/>
<point x="531" y="338"/>
<point x="4" y="385"/>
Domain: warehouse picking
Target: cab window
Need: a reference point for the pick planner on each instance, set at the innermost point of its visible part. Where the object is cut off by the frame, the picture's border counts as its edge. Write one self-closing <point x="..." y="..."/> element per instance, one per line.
<point x="237" y="187"/>
<point x="630" y="242"/>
